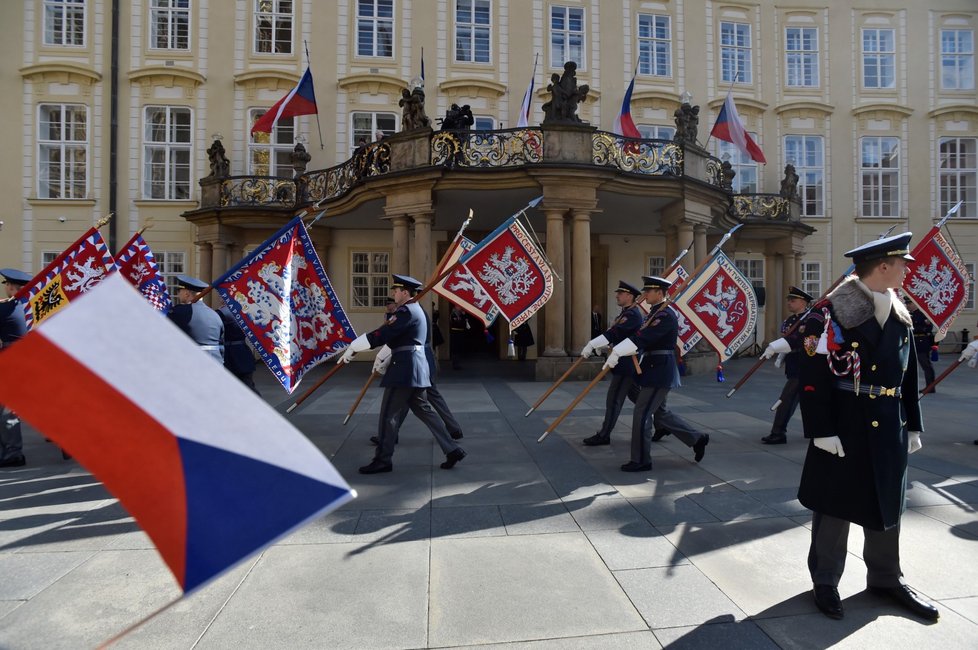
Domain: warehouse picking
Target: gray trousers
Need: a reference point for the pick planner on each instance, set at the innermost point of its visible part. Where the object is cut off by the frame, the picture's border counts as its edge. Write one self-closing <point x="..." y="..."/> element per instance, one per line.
<point x="11" y="438"/>
<point x="790" y="397"/>
<point x="827" y="555"/>
<point x="683" y="430"/>
<point x="649" y="399"/>
<point x="620" y="387"/>
<point x="400" y="398"/>
<point x="441" y="408"/>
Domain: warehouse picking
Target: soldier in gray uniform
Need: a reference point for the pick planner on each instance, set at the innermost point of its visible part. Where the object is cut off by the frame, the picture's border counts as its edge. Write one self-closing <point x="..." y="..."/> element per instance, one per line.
<point x="197" y="320"/>
<point x="13" y="326"/>
<point x="407" y="377"/>
<point x="238" y="358"/>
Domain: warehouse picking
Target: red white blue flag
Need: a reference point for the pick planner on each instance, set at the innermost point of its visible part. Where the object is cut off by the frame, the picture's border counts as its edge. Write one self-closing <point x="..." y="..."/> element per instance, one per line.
<point x="730" y="128"/>
<point x="137" y="264"/>
<point x="523" y="121"/>
<point x="687" y="336"/>
<point x="460" y="288"/>
<point x="624" y="125"/>
<point x="282" y="299"/>
<point x="212" y="481"/>
<point x="77" y="270"/>
<point x="301" y="100"/>
<point x="937" y="282"/>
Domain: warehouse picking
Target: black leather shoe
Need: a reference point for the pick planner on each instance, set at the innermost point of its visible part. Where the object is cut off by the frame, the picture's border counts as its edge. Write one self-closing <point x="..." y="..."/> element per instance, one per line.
<point x="699" y="449"/>
<point x="457" y="435"/>
<point x="909" y="599"/>
<point x="659" y="434"/>
<point x="775" y="439"/>
<point x="376" y="467"/>
<point x="632" y="466"/>
<point x="828" y="601"/>
<point x="452" y="458"/>
<point x="597" y="440"/>
<point x="13" y="461"/>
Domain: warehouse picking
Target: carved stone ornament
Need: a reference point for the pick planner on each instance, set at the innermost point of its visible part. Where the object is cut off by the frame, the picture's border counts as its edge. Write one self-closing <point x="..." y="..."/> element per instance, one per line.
<point x="565" y="95"/>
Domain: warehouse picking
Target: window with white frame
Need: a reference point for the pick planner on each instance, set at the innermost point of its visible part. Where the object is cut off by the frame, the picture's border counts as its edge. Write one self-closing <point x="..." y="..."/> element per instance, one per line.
<point x="169" y="24"/>
<point x="62" y="144"/>
<point x="171" y="264"/>
<point x="370" y="277"/>
<point x="270" y="154"/>
<point x="811" y="278"/>
<point x="273" y="26"/>
<point x="880" y="176"/>
<point x="735" y="53"/>
<point x="64" y="22"/>
<point x="958" y="165"/>
<point x="566" y="36"/>
<point x="369" y="127"/>
<point x="970" y="302"/>
<point x="879" y="58"/>
<point x="656" y="131"/>
<point x="801" y="57"/>
<point x="483" y="123"/>
<point x="957" y="59"/>
<point x="806" y="153"/>
<point x="47" y="257"/>
<point x="745" y="179"/>
<point x="167" y="147"/>
<point x="655" y="45"/>
<point x="473" y="24"/>
<point x="657" y="266"/>
<point x="752" y="269"/>
<point x="375" y="28"/>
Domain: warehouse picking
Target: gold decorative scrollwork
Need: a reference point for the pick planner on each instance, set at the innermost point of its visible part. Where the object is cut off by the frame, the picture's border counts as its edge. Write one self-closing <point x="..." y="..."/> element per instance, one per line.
<point x="649" y="157"/>
<point x="505" y="148"/>
<point x="258" y="190"/>
<point x="713" y="174"/>
<point x="761" y="206"/>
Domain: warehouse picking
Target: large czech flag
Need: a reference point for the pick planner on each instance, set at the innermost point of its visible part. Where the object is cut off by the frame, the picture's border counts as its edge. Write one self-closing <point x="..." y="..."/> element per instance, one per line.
<point x="301" y="100"/>
<point x="730" y="127"/>
<point x="209" y="470"/>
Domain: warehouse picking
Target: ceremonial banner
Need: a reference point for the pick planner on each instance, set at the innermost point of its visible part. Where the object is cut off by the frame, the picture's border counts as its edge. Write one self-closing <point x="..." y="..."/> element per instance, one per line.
<point x="137" y="264"/>
<point x="462" y="289"/>
<point x="78" y="269"/>
<point x="281" y="298"/>
<point x="937" y="282"/>
<point x="512" y="272"/>
<point x="209" y="470"/>
<point x="721" y="305"/>
<point x="688" y="336"/>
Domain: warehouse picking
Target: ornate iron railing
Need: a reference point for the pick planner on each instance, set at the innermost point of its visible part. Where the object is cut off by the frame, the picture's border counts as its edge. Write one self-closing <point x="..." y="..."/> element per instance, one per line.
<point x="502" y="148"/>
<point x="250" y="191"/>
<point x="373" y="159"/>
<point x="714" y="175"/>
<point x="650" y="157"/>
<point x="772" y="207"/>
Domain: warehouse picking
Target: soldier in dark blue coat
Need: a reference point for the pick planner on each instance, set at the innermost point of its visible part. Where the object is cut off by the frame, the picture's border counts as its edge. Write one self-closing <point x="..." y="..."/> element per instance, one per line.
<point x="789" y="347"/>
<point x="238" y="358"/>
<point x="622" y="375"/>
<point x="13" y="326"/>
<point x="859" y="407"/>
<point x="407" y="376"/>
<point x="197" y="320"/>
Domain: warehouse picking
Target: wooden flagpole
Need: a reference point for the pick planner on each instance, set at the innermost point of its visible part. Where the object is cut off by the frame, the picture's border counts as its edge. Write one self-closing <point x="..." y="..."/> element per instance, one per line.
<point x="363" y="391"/>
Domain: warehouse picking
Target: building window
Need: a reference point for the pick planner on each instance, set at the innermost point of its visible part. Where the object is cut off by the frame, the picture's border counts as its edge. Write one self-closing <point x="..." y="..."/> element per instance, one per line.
<point x="801" y="54"/>
<point x="753" y="270"/>
<point x="270" y="154"/>
<point x="879" y="58"/>
<point x="273" y="26"/>
<point x="811" y="278"/>
<point x="958" y="180"/>
<point x="654" y="45"/>
<point x="375" y="28"/>
<point x="62" y="142"/>
<point x="64" y="22"/>
<point x="970" y="303"/>
<point x="170" y="24"/>
<point x="566" y="36"/>
<point x="171" y="264"/>
<point x="880" y="177"/>
<point x="473" y="19"/>
<point x="656" y="131"/>
<point x="483" y="123"/>
<point x="368" y="127"/>
<point x="657" y="266"/>
<point x="370" y="271"/>
<point x="167" y="145"/>
<point x="735" y="53"/>
<point x="47" y="257"/>
<point x="957" y="59"/>
<point x="745" y="179"/>
<point x="806" y="154"/>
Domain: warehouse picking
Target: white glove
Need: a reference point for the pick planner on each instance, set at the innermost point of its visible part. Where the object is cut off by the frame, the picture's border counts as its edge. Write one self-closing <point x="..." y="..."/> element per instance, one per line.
<point x="970" y="354"/>
<point x="625" y="348"/>
<point x="823" y="343"/>
<point x="594" y="345"/>
<point x="831" y="444"/>
<point x="777" y="346"/>
<point x="778" y="360"/>
<point x="360" y="344"/>
<point x="913" y="442"/>
<point x="383" y="360"/>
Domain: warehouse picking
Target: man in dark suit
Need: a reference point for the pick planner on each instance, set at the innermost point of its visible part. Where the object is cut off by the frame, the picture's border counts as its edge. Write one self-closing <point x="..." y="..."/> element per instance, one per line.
<point x="923" y="339"/>
<point x="860" y="408"/>
<point x="13" y="326"/>
<point x="238" y="358"/>
<point x="197" y="320"/>
<point x="407" y="377"/>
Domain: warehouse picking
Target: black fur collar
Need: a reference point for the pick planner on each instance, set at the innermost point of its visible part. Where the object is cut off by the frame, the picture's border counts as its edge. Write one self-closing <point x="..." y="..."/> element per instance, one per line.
<point x="852" y="307"/>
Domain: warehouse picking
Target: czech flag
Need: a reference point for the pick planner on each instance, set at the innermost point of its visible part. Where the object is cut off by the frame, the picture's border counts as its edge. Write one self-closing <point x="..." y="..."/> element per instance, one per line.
<point x="731" y="129"/>
<point x="523" y="121"/>
<point x="301" y="100"/>
<point x="209" y="470"/>
<point x="624" y="126"/>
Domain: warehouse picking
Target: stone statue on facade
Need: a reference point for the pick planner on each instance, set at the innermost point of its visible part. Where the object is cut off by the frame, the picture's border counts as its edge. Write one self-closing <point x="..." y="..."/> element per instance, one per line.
<point x="299" y="158"/>
<point x="789" y="184"/>
<point x="565" y="95"/>
<point x="727" y="174"/>
<point x="412" y="110"/>
<point x="220" y="165"/>
<point x="687" y="123"/>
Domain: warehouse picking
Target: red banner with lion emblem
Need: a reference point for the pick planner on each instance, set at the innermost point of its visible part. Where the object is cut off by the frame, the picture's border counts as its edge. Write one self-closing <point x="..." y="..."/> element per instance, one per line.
<point x="463" y="290"/>
<point x="937" y="282"/>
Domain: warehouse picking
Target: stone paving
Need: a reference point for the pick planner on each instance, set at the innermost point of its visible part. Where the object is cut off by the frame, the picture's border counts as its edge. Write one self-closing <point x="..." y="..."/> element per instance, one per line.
<point x="522" y="545"/>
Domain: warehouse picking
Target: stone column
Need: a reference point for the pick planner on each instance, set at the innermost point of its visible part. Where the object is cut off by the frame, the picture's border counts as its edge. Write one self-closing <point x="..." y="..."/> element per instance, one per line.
<point x="684" y="233"/>
<point x="672" y="244"/>
<point x="554" y="311"/>
<point x="580" y="279"/>
<point x="399" y="256"/>
<point x="206" y="257"/>
<point x="421" y="263"/>
<point x="699" y="243"/>
<point x="791" y="277"/>
<point x="219" y="265"/>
